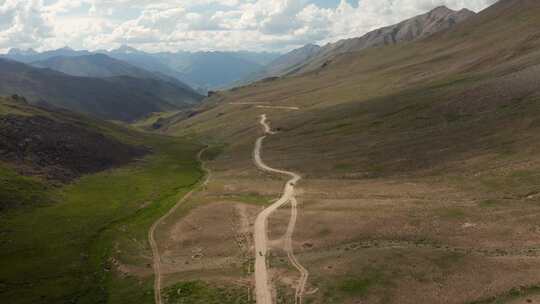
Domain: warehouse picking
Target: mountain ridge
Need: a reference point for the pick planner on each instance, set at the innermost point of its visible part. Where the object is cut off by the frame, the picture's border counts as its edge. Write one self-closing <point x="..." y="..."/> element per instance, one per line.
<point x="124" y="98"/>
<point x="193" y="68"/>
<point x="418" y="27"/>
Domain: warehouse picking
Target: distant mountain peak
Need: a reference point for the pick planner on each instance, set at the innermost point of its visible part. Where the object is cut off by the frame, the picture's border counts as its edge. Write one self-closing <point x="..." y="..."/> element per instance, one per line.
<point x="16" y="51"/>
<point x="443" y="11"/>
<point x="466" y="10"/>
<point x="442" y="8"/>
<point x="126" y="49"/>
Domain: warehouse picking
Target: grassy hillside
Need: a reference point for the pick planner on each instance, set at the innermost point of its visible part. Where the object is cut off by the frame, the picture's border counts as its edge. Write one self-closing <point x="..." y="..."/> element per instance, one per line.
<point x="443" y="84"/>
<point x="420" y="164"/>
<point x="72" y="242"/>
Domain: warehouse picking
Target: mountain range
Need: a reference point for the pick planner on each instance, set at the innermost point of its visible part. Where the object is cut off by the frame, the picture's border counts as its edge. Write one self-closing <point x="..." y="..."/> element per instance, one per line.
<point x="161" y="81"/>
<point x="121" y="97"/>
<point x="313" y="56"/>
<point x="197" y="69"/>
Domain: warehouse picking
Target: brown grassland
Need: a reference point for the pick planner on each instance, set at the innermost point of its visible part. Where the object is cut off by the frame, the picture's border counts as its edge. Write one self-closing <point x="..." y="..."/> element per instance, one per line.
<point x="420" y="165"/>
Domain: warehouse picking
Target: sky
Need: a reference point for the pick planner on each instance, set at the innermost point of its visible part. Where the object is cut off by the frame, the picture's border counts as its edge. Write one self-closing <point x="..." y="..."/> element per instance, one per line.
<point x="192" y="25"/>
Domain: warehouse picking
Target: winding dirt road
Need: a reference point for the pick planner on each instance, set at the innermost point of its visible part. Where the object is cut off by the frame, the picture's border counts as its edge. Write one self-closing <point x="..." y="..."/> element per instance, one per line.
<point x="263" y="287"/>
<point x="261" y="105"/>
<point x="151" y="233"/>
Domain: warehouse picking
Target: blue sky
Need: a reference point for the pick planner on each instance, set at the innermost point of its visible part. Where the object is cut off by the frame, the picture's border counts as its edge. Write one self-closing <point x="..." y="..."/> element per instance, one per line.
<point x="327" y="3"/>
<point x="171" y="25"/>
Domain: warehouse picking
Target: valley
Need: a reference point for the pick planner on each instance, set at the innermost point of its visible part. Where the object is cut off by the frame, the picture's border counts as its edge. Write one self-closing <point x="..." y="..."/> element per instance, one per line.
<point x="398" y="166"/>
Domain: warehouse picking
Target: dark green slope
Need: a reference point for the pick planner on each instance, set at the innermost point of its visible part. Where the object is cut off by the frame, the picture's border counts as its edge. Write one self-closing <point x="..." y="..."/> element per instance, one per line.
<point x="126" y="99"/>
<point x="62" y="236"/>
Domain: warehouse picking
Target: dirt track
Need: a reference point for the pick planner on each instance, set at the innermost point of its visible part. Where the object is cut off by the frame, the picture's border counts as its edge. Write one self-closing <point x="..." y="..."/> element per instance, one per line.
<point x="265" y="106"/>
<point x="263" y="287"/>
<point x="155" y="250"/>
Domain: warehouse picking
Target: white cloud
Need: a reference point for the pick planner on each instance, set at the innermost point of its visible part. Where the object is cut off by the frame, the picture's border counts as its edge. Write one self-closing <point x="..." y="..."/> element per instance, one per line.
<point x="23" y="24"/>
<point x="199" y="24"/>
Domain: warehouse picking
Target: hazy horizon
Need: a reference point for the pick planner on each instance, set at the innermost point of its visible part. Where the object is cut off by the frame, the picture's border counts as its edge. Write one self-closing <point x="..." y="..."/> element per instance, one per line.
<point x="210" y="25"/>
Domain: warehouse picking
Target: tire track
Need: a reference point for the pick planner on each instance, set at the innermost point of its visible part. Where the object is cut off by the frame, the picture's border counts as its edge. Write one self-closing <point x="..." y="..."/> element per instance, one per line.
<point x="156" y="258"/>
<point x="263" y="287"/>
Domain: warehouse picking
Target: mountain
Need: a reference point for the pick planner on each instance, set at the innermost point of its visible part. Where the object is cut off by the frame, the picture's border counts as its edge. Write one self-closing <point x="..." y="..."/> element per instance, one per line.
<point x="122" y="98"/>
<point x="102" y="66"/>
<point x="31" y="55"/>
<point x="97" y="65"/>
<point x="196" y="69"/>
<point x="142" y="60"/>
<point x="286" y="63"/>
<point x="440" y="18"/>
<point x="209" y="69"/>
<point x="311" y="57"/>
<point x="419" y="161"/>
<point x="261" y="58"/>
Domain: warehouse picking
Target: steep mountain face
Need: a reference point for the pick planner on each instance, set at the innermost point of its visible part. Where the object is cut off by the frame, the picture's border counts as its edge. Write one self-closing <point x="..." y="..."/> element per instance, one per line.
<point x="439" y="19"/>
<point x="120" y="98"/>
<point x="418" y="27"/>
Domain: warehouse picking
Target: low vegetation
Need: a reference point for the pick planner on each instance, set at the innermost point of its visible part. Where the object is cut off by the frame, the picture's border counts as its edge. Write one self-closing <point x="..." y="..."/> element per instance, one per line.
<point x="198" y="292"/>
<point x="64" y="242"/>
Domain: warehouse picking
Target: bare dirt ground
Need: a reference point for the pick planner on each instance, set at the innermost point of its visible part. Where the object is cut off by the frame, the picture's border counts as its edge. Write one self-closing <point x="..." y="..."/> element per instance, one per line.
<point x="468" y="235"/>
<point x="390" y="242"/>
<point x="263" y="287"/>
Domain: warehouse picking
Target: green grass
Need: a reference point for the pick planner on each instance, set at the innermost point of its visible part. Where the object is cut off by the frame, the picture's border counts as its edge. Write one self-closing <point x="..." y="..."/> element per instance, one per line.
<point x="490" y="203"/>
<point x="252" y="198"/>
<point x="451" y="213"/>
<point x="512" y="294"/>
<point x="358" y="286"/>
<point x="59" y="252"/>
<point x="18" y="191"/>
<point x="372" y="280"/>
<point x="213" y="152"/>
<point x="520" y="182"/>
<point x="343" y="167"/>
<point x="198" y="292"/>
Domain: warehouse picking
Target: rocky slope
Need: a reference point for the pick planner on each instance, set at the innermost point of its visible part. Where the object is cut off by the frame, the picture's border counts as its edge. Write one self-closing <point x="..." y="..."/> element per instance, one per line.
<point x="57" y="145"/>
